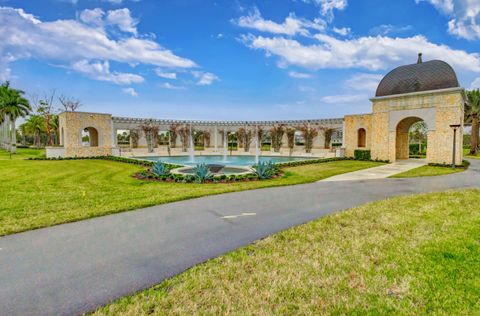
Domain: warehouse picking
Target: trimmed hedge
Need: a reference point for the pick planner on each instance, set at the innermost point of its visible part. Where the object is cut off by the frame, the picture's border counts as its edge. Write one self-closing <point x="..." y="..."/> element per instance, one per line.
<point x="110" y="158"/>
<point x="361" y="154"/>
<point x="465" y="164"/>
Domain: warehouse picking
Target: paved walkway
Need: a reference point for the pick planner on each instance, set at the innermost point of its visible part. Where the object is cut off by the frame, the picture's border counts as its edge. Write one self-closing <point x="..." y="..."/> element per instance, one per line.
<point x="74" y="268"/>
<point x="381" y="172"/>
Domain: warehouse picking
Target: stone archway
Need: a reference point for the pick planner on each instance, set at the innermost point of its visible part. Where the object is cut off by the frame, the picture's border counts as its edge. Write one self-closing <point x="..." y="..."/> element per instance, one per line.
<point x="89" y="137"/>
<point x="402" y="141"/>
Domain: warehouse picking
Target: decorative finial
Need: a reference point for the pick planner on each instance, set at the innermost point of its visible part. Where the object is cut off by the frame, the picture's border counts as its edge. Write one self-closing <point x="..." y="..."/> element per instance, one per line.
<point x="419" y="60"/>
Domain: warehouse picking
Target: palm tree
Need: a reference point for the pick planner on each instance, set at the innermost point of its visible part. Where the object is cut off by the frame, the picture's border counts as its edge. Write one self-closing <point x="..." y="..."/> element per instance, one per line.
<point x="12" y="105"/>
<point x="54" y="125"/>
<point x="35" y="125"/>
<point x="472" y="110"/>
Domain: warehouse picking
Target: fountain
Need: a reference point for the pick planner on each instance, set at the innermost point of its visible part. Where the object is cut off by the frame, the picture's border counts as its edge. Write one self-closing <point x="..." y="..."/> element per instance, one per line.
<point x="191" y="148"/>
<point x="257" y="146"/>
<point x="225" y="146"/>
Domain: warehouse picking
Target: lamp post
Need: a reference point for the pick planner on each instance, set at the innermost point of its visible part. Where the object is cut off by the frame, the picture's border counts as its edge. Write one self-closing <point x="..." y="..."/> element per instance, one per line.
<point x="455" y="127"/>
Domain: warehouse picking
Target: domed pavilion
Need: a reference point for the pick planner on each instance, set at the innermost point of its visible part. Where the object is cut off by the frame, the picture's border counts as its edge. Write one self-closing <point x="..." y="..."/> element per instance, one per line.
<point x="424" y="91"/>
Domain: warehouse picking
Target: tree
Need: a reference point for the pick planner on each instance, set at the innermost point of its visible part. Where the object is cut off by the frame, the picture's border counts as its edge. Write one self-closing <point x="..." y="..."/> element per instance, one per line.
<point x="151" y="134"/>
<point x="472" y="110"/>
<point x="173" y="135"/>
<point x="184" y="133"/>
<point x="134" y="137"/>
<point x="418" y="134"/>
<point x="290" y="139"/>
<point x="69" y="104"/>
<point x="45" y="108"/>
<point x="309" y="133"/>
<point x="35" y="125"/>
<point x="328" y="132"/>
<point x="276" y="132"/>
<point x="12" y="105"/>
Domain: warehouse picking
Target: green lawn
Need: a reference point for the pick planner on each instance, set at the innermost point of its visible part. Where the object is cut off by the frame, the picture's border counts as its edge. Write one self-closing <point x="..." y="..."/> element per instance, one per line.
<point x="36" y="194"/>
<point x="427" y="171"/>
<point x="411" y="255"/>
<point x="466" y="153"/>
<point x="22" y="153"/>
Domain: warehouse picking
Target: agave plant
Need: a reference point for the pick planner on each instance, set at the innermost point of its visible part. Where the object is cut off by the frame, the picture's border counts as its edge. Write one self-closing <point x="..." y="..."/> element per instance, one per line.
<point x="160" y="169"/>
<point x="265" y="169"/>
<point x="202" y="173"/>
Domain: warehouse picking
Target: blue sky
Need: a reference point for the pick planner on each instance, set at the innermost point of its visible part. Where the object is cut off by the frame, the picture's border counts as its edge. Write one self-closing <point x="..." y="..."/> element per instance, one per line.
<point x="235" y="59"/>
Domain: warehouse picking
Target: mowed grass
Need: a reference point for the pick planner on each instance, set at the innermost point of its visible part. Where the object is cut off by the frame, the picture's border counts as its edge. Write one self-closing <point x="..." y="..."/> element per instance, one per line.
<point x="37" y="194"/>
<point x="427" y="171"/>
<point x="411" y="255"/>
<point x="466" y="153"/>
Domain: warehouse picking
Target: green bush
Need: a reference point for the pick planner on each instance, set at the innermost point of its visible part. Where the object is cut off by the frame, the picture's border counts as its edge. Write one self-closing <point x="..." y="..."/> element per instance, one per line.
<point x="361" y="154"/>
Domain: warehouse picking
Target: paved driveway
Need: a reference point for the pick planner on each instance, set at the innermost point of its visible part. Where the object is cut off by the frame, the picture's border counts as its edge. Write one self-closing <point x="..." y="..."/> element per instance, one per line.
<point x="74" y="268"/>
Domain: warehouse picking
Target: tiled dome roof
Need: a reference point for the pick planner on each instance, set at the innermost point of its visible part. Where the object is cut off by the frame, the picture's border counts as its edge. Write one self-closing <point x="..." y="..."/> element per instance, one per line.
<point x="422" y="76"/>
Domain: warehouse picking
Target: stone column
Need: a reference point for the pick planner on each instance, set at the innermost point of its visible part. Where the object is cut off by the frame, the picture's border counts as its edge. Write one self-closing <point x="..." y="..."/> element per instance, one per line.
<point x="216" y="138"/>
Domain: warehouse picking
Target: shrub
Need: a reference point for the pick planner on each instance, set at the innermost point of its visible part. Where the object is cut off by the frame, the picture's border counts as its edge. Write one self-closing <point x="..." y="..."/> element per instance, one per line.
<point x="265" y="170"/>
<point x="361" y="154"/>
<point x="160" y="169"/>
<point x="202" y="173"/>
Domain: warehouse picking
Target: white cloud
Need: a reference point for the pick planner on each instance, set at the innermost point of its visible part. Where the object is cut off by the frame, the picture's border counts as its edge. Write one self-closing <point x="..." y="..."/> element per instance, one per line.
<point x="299" y="75"/>
<point x="446" y="6"/>
<point x="464" y="16"/>
<point x="204" y="78"/>
<point x="93" y="16"/>
<point x="113" y="1"/>
<point x="168" y="85"/>
<point x="166" y="75"/>
<point x="291" y="26"/>
<point x="372" y="53"/>
<point x="68" y="42"/>
<point x="475" y="84"/>
<point x="345" y="98"/>
<point x="364" y="82"/>
<point x="342" y="31"/>
<point x="130" y="91"/>
<point x="123" y="20"/>
<point x="385" y="29"/>
<point x="101" y="71"/>
<point x="328" y="6"/>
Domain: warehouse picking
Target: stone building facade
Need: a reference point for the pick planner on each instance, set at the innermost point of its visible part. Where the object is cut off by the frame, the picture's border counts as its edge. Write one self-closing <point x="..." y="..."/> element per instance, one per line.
<point x="84" y="135"/>
<point x="426" y="92"/>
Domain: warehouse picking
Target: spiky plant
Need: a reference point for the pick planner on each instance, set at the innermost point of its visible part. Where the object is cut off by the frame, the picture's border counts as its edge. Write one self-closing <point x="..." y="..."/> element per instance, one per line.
<point x="265" y="169"/>
<point x="160" y="169"/>
<point x="202" y="173"/>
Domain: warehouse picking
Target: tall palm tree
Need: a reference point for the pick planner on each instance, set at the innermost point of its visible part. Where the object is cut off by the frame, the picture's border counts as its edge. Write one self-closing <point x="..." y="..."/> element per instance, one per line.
<point x="472" y="110"/>
<point x="12" y="105"/>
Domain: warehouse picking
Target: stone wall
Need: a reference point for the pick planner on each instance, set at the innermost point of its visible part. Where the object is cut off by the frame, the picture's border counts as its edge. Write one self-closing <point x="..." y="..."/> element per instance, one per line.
<point x="352" y="124"/>
<point x="73" y="123"/>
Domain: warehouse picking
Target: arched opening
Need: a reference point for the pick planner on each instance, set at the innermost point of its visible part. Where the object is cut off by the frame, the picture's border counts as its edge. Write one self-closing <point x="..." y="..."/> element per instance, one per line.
<point x="411" y="138"/>
<point x="123" y="137"/>
<point x="362" y="138"/>
<point x="89" y="137"/>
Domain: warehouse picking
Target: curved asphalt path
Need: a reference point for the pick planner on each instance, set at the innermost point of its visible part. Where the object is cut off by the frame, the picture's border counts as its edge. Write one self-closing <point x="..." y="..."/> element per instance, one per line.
<point x="76" y="267"/>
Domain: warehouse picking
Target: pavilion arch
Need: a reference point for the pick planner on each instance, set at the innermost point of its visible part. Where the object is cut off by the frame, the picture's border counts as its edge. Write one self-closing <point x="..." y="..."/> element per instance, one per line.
<point x="402" y="141"/>
<point x="93" y="137"/>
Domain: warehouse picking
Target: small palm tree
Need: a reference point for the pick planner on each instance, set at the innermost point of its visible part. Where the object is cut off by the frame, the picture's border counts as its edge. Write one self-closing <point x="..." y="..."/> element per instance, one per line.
<point x="472" y="110"/>
<point x="35" y="125"/>
<point x="12" y="105"/>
